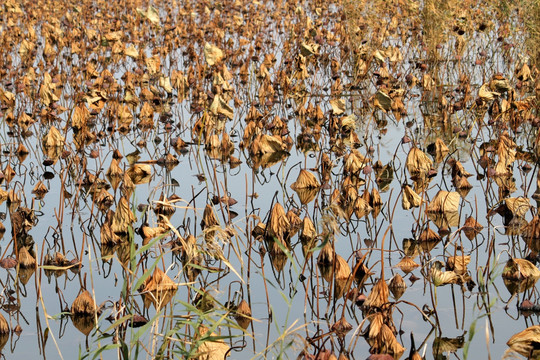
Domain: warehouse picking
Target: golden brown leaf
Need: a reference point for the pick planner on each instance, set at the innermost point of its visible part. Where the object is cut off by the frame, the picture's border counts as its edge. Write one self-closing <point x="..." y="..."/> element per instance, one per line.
<point x="410" y="198"/>
<point x="518" y="206"/>
<point x="243" y="314"/>
<point x="84" y="304"/>
<point x="418" y="163"/>
<point x="458" y="263"/>
<point x="526" y="342"/>
<point x="378" y="295"/>
<point x="518" y="269"/>
<point x="123" y="217"/>
<point x="444" y="202"/>
<point x="212" y="54"/>
<point x="305" y="180"/>
<point x="159" y="289"/>
<point x="407" y="264"/>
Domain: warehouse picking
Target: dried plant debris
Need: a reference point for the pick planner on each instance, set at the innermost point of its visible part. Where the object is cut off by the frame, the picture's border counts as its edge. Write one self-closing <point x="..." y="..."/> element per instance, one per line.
<point x="219" y="139"/>
<point x="526" y="342"/>
<point x="159" y="289"/>
<point x="84" y="304"/>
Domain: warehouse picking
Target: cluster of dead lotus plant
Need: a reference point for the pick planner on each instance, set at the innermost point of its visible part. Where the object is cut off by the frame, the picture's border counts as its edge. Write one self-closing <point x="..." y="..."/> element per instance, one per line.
<point x="111" y="109"/>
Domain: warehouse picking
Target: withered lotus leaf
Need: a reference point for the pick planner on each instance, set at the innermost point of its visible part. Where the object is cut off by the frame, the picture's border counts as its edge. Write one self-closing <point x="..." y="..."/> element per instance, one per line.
<point x="378" y="295"/>
<point x="471" y="227"/>
<point x="354" y="162"/>
<point x="361" y="207"/>
<point x="305" y="180"/>
<point x="9" y="173"/>
<point x="410" y="198"/>
<point x="159" y="289"/>
<point x="84" y="304"/>
<point x="47" y="90"/>
<point x="278" y="257"/>
<point x="148" y="233"/>
<point x="209" y="218"/>
<point x="307" y="195"/>
<point x="25" y="259"/>
<point x="123" y="217"/>
<point x="338" y="106"/>
<point x="151" y="14"/>
<point x="307" y="49"/>
<point x="22" y="152"/>
<point x="341" y="327"/>
<point x="443" y="345"/>
<point x="211" y="348"/>
<point x="407" y="264"/>
<point x="220" y="106"/>
<point x="519" y="269"/>
<point x="376" y="200"/>
<point x="308" y="234"/>
<point x="114" y="169"/>
<point x="278" y="224"/>
<point x="107" y="236"/>
<point x="381" y="338"/>
<point x="486" y="94"/>
<point x="165" y="83"/>
<point x="506" y="151"/>
<point x="526" y="342"/>
<point x="4" y="326"/>
<point x="458" y="263"/>
<point x="444" y="201"/>
<point x="212" y="54"/>
<point x="518" y="206"/>
<point x="458" y="169"/>
<point x="418" y="163"/>
<point x="524" y="72"/>
<point x="139" y="173"/>
<point x="440" y="278"/>
<point x="325" y="261"/>
<point x="441" y="150"/>
<point x="7" y="98"/>
<point x="267" y="144"/>
<point x="531" y="234"/>
<point x="40" y="190"/>
<point x="499" y="84"/>
<point x="397" y="286"/>
<point x="53" y="138"/>
<point x="25" y="121"/>
<point x="376" y="321"/>
<point x="428" y="235"/>
<point x="146" y="117"/>
<point x="295" y="223"/>
<point x="165" y="206"/>
<point x="243" y="314"/>
<point x="461" y="183"/>
<point x="389" y="343"/>
<point x="153" y="64"/>
<point x="342" y="275"/>
<point x="80" y="117"/>
<point x="382" y="101"/>
<point x="361" y="270"/>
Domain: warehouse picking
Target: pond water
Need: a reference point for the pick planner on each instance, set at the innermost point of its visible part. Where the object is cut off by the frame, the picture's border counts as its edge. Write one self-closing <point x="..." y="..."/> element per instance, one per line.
<point x="304" y="174"/>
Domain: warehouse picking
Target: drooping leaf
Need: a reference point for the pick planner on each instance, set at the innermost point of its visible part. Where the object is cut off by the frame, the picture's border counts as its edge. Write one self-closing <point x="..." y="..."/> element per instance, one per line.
<point x="410" y="198"/>
<point x="418" y="163"/>
<point x="444" y="202"/>
<point x="212" y="54"/>
<point x="526" y="342"/>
